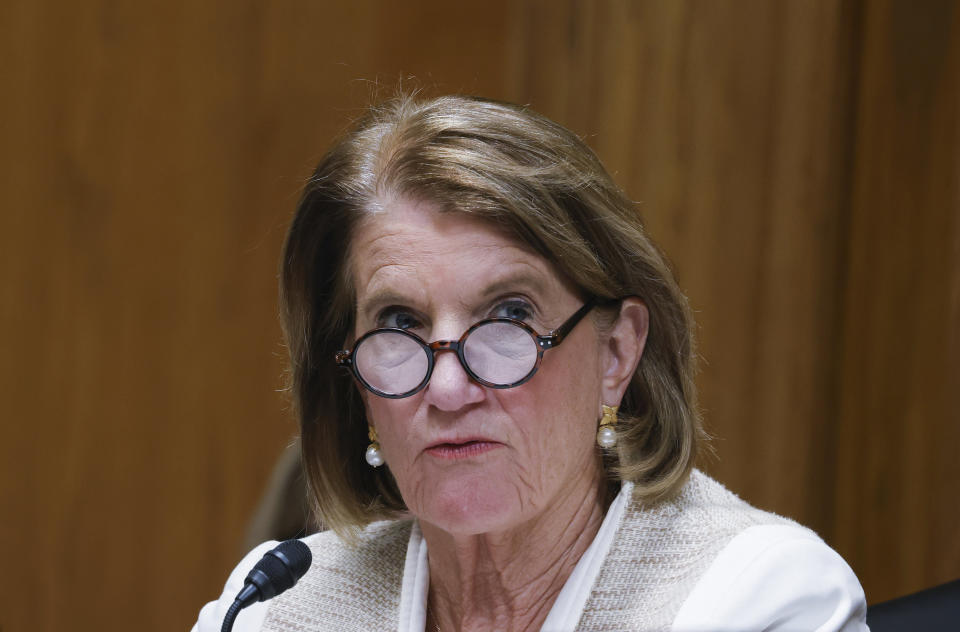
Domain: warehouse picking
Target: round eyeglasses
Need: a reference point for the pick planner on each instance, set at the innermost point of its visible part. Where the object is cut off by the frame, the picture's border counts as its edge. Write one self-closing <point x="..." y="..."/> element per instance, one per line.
<point x="496" y="352"/>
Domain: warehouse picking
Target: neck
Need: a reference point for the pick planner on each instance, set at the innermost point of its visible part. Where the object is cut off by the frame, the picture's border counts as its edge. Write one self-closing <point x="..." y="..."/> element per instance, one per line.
<point x="509" y="580"/>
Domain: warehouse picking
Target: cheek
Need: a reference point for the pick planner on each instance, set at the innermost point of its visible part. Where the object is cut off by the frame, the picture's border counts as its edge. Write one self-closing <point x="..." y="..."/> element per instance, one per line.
<point x="555" y="413"/>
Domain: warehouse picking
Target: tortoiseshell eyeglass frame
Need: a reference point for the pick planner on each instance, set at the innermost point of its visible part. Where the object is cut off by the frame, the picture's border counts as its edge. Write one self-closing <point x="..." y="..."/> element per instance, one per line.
<point x="550" y="340"/>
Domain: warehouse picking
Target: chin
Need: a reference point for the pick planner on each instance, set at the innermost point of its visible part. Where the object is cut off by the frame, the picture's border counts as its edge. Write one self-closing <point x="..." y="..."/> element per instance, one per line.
<point x="472" y="507"/>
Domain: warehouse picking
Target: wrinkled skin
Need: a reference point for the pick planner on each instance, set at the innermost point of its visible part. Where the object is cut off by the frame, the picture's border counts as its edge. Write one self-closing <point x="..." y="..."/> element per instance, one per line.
<point x="507" y="483"/>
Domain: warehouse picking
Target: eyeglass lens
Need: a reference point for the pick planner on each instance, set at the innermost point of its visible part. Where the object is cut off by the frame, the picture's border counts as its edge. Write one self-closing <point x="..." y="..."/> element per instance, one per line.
<point x="499" y="353"/>
<point x="391" y="362"/>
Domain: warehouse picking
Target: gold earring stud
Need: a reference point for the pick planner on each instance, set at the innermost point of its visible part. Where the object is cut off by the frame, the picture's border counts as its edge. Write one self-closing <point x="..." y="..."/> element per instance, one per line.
<point x="607" y="433"/>
<point x="374" y="456"/>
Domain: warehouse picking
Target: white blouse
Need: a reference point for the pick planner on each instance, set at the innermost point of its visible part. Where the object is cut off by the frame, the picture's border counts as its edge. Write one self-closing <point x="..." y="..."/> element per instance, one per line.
<point x="745" y="588"/>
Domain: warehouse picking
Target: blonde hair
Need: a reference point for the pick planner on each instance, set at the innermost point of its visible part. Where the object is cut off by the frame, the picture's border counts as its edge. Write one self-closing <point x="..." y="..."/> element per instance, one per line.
<point x="527" y="175"/>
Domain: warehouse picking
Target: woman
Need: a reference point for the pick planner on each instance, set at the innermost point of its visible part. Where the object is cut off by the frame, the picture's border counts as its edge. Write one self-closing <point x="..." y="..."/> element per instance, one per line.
<point x="493" y="370"/>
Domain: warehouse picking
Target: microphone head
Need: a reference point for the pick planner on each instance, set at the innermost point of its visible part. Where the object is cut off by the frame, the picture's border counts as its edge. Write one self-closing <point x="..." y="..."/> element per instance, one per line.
<point x="296" y="556"/>
<point x="280" y="568"/>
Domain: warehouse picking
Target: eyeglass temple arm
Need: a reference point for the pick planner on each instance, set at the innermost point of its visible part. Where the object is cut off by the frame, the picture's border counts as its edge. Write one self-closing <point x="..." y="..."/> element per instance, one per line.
<point x="556" y="336"/>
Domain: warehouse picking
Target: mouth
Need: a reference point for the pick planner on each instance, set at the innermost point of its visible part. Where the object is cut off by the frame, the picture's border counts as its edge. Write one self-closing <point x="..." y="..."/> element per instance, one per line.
<point x="462" y="449"/>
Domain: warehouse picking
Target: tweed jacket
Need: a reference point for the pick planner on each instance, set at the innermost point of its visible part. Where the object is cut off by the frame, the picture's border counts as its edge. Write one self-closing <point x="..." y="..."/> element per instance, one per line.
<point x="657" y="558"/>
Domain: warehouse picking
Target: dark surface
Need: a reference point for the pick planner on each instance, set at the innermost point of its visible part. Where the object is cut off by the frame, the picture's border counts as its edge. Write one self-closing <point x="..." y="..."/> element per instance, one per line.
<point x="937" y="608"/>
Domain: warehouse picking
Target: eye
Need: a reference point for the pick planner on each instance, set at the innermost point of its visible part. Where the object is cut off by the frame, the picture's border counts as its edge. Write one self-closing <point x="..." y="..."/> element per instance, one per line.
<point x="515" y="309"/>
<point x="397" y="318"/>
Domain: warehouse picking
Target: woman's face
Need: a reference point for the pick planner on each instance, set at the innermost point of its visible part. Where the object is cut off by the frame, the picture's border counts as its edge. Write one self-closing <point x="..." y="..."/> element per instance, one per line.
<point x="467" y="458"/>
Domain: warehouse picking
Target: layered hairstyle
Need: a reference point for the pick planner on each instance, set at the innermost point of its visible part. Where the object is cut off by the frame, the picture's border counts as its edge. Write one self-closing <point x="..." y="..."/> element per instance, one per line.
<point x="543" y="186"/>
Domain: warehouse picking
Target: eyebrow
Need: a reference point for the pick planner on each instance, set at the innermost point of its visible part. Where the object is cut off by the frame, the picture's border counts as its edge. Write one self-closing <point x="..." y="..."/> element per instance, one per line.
<point x="378" y="300"/>
<point x="528" y="279"/>
<point x="513" y="280"/>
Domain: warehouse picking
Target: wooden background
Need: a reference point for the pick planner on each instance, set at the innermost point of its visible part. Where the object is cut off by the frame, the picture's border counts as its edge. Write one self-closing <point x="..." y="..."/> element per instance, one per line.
<point x="798" y="161"/>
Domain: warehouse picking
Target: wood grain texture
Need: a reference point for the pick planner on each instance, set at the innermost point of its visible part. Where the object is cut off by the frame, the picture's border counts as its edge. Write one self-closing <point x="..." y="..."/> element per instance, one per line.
<point x="897" y="515"/>
<point x="798" y="162"/>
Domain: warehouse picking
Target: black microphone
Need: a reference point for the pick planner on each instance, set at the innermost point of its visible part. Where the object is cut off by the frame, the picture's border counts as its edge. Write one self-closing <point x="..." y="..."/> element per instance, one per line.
<point x="278" y="570"/>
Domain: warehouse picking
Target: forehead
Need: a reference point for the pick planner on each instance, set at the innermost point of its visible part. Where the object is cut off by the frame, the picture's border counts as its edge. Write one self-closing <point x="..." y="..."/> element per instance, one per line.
<point x="414" y="249"/>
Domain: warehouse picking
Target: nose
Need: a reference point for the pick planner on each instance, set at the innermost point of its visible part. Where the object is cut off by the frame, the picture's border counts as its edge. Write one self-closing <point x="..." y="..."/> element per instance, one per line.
<point x="450" y="388"/>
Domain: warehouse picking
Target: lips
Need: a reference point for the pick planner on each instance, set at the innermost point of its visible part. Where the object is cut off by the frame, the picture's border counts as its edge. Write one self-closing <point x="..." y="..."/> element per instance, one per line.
<point x="462" y="448"/>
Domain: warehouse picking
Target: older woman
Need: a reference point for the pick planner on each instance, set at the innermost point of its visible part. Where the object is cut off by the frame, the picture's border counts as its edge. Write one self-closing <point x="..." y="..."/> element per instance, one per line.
<point x="493" y="370"/>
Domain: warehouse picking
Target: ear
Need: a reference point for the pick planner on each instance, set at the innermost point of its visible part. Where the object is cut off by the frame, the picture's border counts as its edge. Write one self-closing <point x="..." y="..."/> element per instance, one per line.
<point x="623" y="348"/>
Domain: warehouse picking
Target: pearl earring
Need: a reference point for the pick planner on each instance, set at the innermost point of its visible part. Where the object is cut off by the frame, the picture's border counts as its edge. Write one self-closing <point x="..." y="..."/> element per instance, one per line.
<point x="374" y="457"/>
<point x="607" y="434"/>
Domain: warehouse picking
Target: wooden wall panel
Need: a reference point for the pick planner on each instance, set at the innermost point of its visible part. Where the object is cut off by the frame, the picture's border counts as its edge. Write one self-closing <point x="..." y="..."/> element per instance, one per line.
<point x="142" y="352"/>
<point x="897" y="513"/>
<point x="796" y="160"/>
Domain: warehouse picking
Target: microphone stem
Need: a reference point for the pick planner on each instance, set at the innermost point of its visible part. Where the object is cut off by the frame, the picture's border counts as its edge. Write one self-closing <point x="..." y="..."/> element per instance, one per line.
<point x="232" y="613"/>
